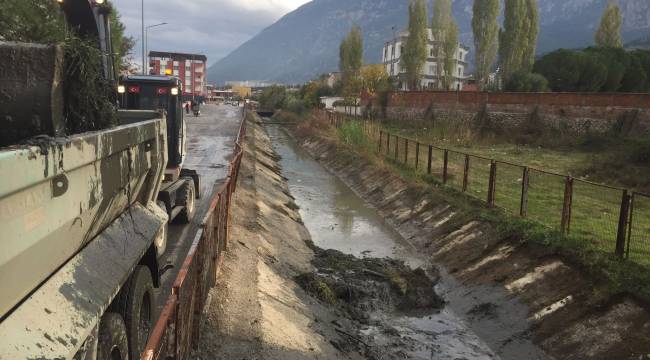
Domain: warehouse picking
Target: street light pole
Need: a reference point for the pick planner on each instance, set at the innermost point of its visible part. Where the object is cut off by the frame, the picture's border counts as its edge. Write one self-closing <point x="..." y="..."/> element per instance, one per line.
<point x="143" y="47"/>
<point x="146" y="41"/>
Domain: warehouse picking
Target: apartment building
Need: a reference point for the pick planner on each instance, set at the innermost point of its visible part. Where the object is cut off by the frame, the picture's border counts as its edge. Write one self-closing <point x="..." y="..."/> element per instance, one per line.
<point x="190" y="68"/>
<point x="432" y="70"/>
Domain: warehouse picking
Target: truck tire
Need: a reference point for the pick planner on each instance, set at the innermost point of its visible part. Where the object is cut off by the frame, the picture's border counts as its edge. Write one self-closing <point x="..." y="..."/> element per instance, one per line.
<point x="186" y="199"/>
<point x="112" y="341"/>
<point x="137" y="303"/>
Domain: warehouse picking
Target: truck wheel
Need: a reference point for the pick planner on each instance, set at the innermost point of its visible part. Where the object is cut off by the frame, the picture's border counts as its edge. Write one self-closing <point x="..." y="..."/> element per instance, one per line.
<point x="137" y="302"/>
<point x="112" y="343"/>
<point x="185" y="198"/>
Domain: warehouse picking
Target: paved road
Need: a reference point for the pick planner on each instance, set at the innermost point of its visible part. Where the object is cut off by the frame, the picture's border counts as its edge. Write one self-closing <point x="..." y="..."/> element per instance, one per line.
<point x="210" y="140"/>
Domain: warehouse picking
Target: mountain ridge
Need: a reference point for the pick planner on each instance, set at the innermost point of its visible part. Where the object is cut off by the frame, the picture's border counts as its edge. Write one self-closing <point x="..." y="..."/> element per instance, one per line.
<point x="304" y="43"/>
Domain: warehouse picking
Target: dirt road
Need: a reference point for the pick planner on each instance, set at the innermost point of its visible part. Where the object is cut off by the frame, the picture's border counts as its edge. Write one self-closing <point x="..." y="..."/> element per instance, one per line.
<point x="210" y="140"/>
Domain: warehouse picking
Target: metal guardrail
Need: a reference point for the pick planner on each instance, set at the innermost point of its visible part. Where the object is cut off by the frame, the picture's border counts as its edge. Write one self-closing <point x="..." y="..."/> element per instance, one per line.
<point x="176" y="332"/>
<point x="606" y="218"/>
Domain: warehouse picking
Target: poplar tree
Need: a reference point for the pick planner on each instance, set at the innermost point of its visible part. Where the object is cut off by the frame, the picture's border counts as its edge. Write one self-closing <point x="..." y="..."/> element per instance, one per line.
<point x="518" y="38"/>
<point x="486" y="36"/>
<point x="450" y="47"/>
<point x="609" y="31"/>
<point x="351" y="53"/>
<point x="415" y="49"/>
<point x="445" y="31"/>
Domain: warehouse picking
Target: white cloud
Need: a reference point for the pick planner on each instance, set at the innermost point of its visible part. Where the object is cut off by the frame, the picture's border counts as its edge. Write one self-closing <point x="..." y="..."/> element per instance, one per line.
<point x="211" y="27"/>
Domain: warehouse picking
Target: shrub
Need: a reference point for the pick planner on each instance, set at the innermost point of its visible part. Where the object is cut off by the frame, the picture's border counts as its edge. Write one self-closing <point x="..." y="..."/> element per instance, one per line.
<point x="351" y="133"/>
<point x="527" y="82"/>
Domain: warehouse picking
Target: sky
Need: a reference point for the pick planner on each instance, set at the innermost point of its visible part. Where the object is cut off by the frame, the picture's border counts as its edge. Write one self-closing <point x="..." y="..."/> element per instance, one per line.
<point x="210" y="27"/>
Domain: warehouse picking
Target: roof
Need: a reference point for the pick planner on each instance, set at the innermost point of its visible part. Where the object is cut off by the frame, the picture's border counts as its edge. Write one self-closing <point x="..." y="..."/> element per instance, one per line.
<point x="175" y="55"/>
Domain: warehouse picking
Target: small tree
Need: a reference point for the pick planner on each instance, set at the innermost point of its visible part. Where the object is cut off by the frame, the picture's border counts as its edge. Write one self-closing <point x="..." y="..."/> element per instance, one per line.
<point x="415" y="49"/>
<point x="609" y="31"/>
<point x="486" y="32"/>
<point x="374" y="78"/>
<point x="450" y="47"/>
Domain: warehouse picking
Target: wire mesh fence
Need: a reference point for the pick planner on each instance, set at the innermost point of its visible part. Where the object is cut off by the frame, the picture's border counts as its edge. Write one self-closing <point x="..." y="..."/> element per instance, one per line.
<point x="595" y="211"/>
<point x="478" y="177"/>
<point x="509" y="183"/>
<point x="602" y="217"/>
<point x="455" y="170"/>
<point x="638" y="249"/>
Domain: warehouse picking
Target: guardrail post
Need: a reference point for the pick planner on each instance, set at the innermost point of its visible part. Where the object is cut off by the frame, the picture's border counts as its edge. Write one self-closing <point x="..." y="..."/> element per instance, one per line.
<point x="622" y="225"/>
<point x="525" y="180"/>
<point x="380" y="136"/>
<point x="429" y="159"/>
<point x="445" y="167"/>
<point x="396" y="147"/>
<point x="492" y="183"/>
<point x="565" y="226"/>
<point x="417" y="154"/>
<point x="406" y="151"/>
<point x="466" y="173"/>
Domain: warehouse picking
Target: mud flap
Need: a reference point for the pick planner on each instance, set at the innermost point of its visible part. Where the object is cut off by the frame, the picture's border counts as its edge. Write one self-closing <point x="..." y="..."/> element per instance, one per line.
<point x="196" y="178"/>
<point x="56" y="319"/>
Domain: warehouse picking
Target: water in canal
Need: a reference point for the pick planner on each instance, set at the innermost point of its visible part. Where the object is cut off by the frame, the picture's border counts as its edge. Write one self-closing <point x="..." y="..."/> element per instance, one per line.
<point x="338" y="219"/>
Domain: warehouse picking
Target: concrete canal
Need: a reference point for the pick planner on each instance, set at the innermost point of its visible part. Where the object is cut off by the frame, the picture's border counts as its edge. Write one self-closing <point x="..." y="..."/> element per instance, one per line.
<point x="339" y="219"/>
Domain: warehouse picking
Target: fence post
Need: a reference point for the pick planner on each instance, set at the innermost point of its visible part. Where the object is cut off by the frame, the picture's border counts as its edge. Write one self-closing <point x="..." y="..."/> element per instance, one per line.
<point x="406" y="151"/>
<point x="466" y="173"/>
<point x="565" y="226"/>
<point x="387" y="144"/>
<point x="622" y="225"/>
<point x="429" y="161"/>
<point x="417" y="154"/>
<point x="444" y="167"/>
<point x="396" y="147"/>
<point x="630" y="225"/>
<point x="525" y="180"/>
<point x="492" y="183"/>
<point x="380" y="136"/>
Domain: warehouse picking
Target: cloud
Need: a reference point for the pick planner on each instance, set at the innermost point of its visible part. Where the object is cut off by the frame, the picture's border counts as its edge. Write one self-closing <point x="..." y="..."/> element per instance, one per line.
<point x="211" y="27"/>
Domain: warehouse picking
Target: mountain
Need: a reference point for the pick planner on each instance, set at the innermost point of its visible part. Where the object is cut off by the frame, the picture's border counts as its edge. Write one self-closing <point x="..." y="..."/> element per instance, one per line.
<point x="304" y="43"/>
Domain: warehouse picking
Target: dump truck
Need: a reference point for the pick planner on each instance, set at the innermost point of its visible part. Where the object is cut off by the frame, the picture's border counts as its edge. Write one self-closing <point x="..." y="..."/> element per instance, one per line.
<point x="82" y="232"/>
<point x="162" y="92"/>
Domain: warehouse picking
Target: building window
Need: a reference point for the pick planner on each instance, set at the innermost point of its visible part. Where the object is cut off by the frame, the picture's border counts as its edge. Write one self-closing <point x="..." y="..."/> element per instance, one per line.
<point x="432" y="69"/>
<point x="385" y="53"/>
<point x="460" y="72"/>
<point x="392" y="50"/>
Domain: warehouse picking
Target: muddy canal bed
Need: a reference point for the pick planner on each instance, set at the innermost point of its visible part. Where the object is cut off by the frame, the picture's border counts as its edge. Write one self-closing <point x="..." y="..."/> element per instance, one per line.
<point x="339" y="220"/>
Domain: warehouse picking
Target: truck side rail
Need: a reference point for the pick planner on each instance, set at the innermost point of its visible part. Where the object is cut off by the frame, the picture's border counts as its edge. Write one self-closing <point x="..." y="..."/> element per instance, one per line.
<point x="176" y="332"/>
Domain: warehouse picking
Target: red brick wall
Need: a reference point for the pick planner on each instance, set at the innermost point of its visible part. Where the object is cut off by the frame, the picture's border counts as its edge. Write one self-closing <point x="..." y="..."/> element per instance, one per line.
<point x="424" y="99"/>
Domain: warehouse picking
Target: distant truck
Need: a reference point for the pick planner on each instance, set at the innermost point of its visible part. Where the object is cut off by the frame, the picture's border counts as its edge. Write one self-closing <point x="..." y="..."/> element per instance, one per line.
<point x="161" y="92"/>
<point x="81" y="228"/>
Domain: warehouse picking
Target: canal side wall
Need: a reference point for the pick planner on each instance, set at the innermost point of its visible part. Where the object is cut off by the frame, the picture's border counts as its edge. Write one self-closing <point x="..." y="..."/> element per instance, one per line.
<point x="570" y="113"/>
<point x="256" y="310"/>
<point x="509" y="292"/>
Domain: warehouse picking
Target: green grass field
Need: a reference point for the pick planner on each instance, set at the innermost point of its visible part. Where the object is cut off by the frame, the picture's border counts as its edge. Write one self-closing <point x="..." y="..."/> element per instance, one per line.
<point x="595" y="209"/>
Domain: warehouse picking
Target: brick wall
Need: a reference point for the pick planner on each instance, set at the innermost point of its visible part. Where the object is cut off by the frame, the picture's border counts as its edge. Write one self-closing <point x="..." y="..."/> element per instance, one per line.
<point x="576" y="112"/>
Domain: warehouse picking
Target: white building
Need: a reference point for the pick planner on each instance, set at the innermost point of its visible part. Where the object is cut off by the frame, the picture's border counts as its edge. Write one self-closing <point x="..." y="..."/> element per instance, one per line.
<point x="432" y="69"/>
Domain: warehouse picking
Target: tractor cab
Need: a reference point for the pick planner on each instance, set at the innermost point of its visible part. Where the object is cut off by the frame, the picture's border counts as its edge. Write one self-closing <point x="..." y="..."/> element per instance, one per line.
<point x="158" y="92"/>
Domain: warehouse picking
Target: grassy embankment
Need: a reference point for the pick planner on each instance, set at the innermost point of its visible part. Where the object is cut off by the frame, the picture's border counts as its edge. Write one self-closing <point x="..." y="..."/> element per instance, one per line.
<point x="595" y="209"/>
<point x="590" y="213"/>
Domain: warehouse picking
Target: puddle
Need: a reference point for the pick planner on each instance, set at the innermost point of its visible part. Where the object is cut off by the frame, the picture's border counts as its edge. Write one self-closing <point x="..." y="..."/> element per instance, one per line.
<point x="338" y="219"/>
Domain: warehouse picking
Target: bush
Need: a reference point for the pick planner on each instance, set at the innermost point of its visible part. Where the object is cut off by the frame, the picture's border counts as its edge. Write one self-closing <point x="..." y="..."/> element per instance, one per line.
<point x="351" y="133"/>
<point x="527" y="82"/>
